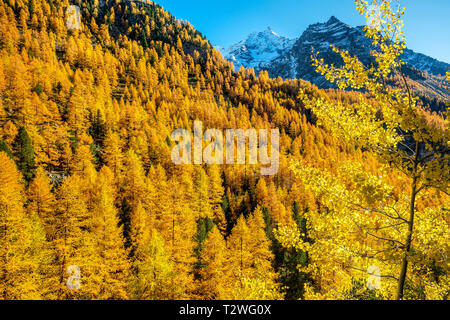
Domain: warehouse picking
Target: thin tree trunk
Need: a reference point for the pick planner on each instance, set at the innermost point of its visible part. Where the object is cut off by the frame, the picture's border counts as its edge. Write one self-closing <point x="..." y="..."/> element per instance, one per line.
<point x="404" y="267"/>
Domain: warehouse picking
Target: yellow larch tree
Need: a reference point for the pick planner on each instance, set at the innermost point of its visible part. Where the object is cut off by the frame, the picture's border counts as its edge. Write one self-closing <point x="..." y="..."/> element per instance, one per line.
<point x="154" y="272"/>
<point x="41" y="210"/>
<point x="180" y="221"/>
<point x="215" y="275"/>
<point x="139" y="230"/>
<point x="79" y="102"/>
<point x="18" y="267"/>
<point x="42" y="201"/>
<point x="216" y="193"/>
<point x="250" y="256"/>
<point x="110" y="243"/>
<point x="75" y="244"/>
<point x="203" y="206"/>
<point x="134" y="193"/>
<point x="112" y="153"/>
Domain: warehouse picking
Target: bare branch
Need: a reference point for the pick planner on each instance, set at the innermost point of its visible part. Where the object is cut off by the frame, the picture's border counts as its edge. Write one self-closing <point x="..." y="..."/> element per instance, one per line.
<point x="402" y="245"/>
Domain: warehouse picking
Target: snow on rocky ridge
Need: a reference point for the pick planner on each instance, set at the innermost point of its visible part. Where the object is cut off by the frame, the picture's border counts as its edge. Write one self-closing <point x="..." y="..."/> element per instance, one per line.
<point x="287" y="57"/>
<point x="257" y="49"/>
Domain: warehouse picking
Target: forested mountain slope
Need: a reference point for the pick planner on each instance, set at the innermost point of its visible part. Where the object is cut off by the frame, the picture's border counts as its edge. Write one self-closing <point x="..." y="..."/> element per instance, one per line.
<point x="86" y="177"/>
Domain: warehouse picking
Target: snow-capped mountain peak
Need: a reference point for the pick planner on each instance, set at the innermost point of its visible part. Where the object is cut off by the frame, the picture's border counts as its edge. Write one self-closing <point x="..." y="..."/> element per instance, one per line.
<point x="257" y="49"/>
<point x="291" y="58"/>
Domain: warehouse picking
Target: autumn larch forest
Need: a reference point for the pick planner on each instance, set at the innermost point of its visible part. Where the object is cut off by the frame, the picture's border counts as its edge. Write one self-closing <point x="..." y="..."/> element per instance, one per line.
<point x="93" y="207"/>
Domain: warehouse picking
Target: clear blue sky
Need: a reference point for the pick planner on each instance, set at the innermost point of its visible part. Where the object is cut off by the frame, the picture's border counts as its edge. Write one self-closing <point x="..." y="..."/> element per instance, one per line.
<point x="225" y="22"/>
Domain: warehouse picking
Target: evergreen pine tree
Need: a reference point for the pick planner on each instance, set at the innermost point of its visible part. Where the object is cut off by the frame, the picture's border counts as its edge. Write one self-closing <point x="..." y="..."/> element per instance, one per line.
<point x="4" y="147"/>
<point x="25" y="154"/>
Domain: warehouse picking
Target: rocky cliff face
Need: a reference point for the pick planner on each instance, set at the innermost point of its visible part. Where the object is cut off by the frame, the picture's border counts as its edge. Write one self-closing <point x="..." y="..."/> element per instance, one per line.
<point x="296" y="63"/>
